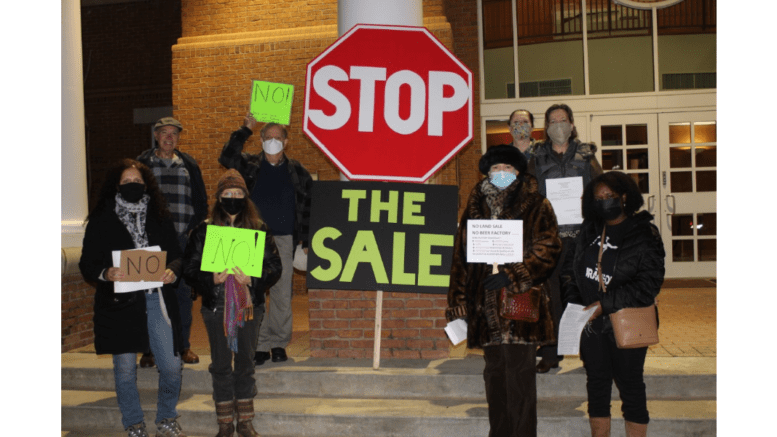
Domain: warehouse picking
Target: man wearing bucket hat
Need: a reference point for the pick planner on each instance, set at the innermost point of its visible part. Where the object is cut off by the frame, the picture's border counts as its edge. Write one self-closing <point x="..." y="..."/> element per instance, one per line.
<point x="180" y="180"/>
<point x="280" y="189"/>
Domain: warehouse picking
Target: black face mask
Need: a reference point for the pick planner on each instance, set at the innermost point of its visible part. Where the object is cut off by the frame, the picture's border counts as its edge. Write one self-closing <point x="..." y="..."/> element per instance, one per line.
<point x="132" y="192"/>
<point x="233" y="205"/>
<point x="608" y="209"/>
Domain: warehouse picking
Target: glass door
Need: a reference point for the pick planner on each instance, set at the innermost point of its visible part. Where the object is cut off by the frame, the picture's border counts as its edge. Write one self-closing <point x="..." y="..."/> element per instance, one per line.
<point x="687" y="206"/>
<point x="629" y="143"/>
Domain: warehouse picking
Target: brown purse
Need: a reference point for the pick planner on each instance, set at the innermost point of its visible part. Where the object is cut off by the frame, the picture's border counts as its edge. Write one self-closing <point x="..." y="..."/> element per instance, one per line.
<point x="523" y="307"/>
<point x="633" y="327"/>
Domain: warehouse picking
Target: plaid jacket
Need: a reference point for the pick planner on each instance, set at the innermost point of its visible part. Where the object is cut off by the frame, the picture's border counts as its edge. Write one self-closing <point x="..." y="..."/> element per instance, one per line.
<point x="248" y="165"/>
<point x="199" y="195"/>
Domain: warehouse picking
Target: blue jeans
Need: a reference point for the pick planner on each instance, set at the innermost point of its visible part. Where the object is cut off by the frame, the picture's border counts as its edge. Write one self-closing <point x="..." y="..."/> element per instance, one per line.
<point x="160" y="336"/>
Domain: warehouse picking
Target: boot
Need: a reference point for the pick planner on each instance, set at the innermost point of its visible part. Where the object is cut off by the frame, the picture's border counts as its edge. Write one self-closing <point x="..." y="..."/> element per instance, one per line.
<point x="225" y="416"/>
<point x="635" y="429"/>
<point x="600" y="426"/>
<point x="245" y="417"/>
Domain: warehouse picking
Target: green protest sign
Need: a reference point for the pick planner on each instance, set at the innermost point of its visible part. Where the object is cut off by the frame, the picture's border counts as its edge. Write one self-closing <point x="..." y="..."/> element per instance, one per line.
<point x="271" y="102"/>
<point x="226" y="247"/>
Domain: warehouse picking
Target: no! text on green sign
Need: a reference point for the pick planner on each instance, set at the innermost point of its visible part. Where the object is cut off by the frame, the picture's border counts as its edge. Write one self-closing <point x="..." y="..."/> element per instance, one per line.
<point x="227" y="247"/>
<point x="271" y="102"/>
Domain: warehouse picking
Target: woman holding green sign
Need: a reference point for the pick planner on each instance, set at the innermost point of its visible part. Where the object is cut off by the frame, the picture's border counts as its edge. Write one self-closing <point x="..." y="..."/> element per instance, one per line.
<point x="484" y="295"/>
<point x="232" y="306"/>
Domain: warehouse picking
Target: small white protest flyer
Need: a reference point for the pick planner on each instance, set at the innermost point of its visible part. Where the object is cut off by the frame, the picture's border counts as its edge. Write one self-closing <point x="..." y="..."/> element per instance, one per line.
<point x="457" y="331"/>
<point x="564" y="195"/>
<point x="494" y="241"/>
<point x="571" y="327"/>
<point x="126" y="287"/>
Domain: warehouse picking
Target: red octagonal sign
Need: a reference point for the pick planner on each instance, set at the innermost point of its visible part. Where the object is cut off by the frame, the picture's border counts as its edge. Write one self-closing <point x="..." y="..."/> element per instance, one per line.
<point x="388" y="103"/>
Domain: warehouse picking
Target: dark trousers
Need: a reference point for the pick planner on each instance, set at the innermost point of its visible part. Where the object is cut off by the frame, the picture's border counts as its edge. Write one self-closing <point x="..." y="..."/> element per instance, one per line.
<point x="550" y="352"/>
<point x="511" y="390"/>
<point x="184" y="294"/>
<point x="228" y="382"/>
<point x="603" y="363"/>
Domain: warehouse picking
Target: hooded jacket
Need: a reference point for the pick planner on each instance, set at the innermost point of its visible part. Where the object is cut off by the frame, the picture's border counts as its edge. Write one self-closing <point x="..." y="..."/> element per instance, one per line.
<point x="638" y="273"/>
<point x="541" y="247"/>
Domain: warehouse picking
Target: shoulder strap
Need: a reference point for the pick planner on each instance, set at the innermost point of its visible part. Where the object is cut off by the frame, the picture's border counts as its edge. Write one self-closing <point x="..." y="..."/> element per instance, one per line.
<point x="599" y="262"/>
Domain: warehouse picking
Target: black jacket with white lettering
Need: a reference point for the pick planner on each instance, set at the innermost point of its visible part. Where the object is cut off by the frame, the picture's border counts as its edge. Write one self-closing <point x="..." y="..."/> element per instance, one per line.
<point x="638" y="272"/>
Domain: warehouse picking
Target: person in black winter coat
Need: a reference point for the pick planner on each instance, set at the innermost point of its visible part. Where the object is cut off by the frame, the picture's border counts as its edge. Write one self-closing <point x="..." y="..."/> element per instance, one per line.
<point x="131" y="213"/>
<point x="632" y="270"/>
<point x="232" y="306"/>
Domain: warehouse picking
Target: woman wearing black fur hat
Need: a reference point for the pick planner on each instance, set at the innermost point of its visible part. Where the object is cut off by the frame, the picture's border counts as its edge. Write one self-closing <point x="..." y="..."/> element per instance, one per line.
<point x="506" y="193"/>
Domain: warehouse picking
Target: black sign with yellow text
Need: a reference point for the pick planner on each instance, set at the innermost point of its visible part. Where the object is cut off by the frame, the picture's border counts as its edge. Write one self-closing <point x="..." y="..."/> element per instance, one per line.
<point x="381" y="236"/>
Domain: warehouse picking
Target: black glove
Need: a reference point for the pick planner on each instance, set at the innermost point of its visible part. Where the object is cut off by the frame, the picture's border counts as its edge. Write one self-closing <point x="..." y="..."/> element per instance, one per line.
<point x="496" y="281"/>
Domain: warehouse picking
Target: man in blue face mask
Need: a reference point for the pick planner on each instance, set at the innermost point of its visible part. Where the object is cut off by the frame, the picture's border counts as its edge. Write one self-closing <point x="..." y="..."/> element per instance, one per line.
<point x="280" y="189"/>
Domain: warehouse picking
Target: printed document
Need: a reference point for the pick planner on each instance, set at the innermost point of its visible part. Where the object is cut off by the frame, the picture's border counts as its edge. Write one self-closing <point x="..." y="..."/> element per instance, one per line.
<point x="571" y="327"/>
<point x="565" y="196"/>
<point x="457" y="331"/>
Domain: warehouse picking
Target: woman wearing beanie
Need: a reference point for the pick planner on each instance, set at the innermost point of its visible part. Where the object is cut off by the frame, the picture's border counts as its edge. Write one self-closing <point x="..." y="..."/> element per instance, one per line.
<point x="232" y="307"/>
<point x="131" y="213"/>
<point x="506" y="193"/>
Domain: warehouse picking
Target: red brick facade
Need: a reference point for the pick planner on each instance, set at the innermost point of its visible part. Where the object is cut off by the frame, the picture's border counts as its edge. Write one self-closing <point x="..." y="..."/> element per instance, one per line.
<point x="77" y="312"/>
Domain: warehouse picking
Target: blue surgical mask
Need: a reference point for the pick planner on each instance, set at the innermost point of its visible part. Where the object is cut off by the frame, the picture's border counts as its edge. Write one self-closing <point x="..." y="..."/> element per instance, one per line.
<point x="502" y="179"/>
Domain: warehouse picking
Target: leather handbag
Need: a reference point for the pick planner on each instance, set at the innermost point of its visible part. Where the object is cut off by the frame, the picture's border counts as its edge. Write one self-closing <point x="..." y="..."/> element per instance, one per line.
<point x="524" y="307"/>
<point x="633" y="327"/>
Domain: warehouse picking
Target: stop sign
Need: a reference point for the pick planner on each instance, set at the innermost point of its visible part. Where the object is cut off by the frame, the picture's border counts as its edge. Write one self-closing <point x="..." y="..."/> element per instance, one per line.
<point x="388" y="103"/>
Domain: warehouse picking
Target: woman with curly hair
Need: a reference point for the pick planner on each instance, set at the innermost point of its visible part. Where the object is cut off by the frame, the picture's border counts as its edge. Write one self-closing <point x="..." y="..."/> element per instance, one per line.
<point x="131" y="213"/>
<point x="617" y="262"/>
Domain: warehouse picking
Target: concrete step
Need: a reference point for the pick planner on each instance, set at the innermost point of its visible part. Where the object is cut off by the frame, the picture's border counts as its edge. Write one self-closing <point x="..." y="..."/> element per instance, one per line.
<point x="320" y="416"/>
<point x="460" y="379"/>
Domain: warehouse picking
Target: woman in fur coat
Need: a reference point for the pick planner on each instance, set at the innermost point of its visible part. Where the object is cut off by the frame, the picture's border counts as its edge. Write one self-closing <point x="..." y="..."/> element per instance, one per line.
<point x="507" y="193"/>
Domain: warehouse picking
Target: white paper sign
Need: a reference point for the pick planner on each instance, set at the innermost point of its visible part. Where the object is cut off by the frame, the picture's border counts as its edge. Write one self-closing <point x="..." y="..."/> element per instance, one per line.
<point x="564" y="195"/>
<point x="494" y="241"/>
<point x="457" y="331"/>
<point x="126" y="287"/>
<point x="571" y="327"/>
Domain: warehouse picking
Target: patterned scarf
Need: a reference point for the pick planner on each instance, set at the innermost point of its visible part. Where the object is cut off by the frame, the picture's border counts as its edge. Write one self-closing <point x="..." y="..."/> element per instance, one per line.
<point x="238" y="308"/>
<point x="133" y="216"/>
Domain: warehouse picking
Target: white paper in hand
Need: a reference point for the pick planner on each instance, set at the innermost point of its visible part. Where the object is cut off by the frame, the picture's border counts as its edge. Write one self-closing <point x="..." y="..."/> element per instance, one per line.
<point x="571" y="327"/>
<point x="457" y="331"/>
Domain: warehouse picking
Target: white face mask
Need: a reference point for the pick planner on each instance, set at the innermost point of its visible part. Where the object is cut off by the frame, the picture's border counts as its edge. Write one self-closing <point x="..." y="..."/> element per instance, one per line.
<point x="272" y="146"/>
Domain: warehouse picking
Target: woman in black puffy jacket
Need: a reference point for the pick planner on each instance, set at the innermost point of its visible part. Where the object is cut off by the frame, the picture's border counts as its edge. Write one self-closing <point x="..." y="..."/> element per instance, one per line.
<point x="632" y="269"/>
<point x="232" y="306"/>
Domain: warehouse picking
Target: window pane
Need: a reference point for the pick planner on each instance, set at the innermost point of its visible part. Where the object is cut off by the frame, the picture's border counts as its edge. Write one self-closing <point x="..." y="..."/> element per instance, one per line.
<point x="643" y="182"/>
<point x="679" y="157"/>
<point x="636" y="134"/>
<point x="550" y="48"/>
<point x="681" y="182"/>
<point x="682" y="224"/>
<point x="706" y="156"/>
<point x="497" y="132"/>
<point x="637" y="159"/>
<point x="682" y="250"/>
<point x="612" y="159"/>
<point x="708" y="223"/>
<point x="620" y="48"/>
<point x="498" y="50"/>
<point x="706" y="181"/>
<point x="707" y="250"/>
<point x="612" y="135"/>
<point x="705" y="133"/>
<point x="680" y="133"/>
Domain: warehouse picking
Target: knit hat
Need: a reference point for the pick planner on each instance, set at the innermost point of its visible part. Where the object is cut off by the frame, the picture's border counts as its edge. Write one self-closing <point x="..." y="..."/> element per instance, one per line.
<point x="504" y="154"/>
<point x="168" y="121"/>
<point x="231" y="179"/>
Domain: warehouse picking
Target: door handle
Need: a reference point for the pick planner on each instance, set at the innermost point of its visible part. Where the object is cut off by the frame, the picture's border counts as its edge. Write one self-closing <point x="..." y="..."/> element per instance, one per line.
<point x="669" y="222"/>
<point x="651" y="202"/>
<point x="671" y="207"/>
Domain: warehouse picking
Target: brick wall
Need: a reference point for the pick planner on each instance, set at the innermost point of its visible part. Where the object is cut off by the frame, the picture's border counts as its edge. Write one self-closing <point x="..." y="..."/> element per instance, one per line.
<point x="77" y="312"/>
<point x="342" y="325"/>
